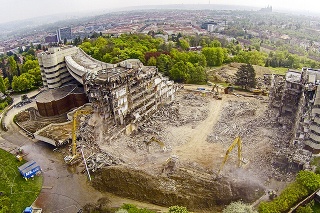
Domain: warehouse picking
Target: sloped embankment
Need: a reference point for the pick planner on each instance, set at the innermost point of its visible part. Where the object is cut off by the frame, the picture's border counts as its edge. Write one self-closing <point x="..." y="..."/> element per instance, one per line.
<point x="184" y="187"/>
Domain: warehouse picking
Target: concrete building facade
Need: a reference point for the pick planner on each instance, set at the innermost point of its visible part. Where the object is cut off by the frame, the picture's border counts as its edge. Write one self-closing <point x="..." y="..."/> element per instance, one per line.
<point x="64" y="33"/>
<point x="121" y="93"/>
<point x="53" y="67"/>
<point x="298" y="93"/>
<point x="128" y="93"/>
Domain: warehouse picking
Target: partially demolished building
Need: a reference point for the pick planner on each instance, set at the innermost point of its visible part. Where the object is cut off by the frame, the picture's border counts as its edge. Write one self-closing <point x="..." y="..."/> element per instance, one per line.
<point x="121" y="93"/>
<point x="127" y="93"/>
<point x="298" y="93"/>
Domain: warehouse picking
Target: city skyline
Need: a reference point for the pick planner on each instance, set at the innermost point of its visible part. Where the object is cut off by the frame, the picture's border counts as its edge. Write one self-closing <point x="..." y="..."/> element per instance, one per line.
<point x="20" y="10"/>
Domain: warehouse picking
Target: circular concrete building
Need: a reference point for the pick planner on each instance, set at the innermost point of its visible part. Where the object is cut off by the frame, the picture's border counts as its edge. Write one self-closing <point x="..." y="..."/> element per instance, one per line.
<point x="60" y="100"/>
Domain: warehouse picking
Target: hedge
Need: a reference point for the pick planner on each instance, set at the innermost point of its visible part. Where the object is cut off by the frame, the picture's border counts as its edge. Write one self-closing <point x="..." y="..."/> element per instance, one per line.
<point x="305" y="183"/>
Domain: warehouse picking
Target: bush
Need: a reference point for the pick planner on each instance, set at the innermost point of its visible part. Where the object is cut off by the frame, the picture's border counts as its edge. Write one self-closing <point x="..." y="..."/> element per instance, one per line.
<point x="306" y="182"/>
<point x="309" y="179"/>
<point x="178" y="209"/>
<point x="239" y="207"/>
<point x="304" y="209"/>
<point x="130" y="208"/>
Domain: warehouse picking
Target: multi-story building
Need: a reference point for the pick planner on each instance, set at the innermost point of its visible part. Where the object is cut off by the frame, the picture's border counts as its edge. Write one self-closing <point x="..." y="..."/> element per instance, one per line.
<point x="51" y="39"/>
<point x="299" y="95"/>
<point x="64" y="33"/>
<point x="53" y="66"/>
<point x="121" y="93"/>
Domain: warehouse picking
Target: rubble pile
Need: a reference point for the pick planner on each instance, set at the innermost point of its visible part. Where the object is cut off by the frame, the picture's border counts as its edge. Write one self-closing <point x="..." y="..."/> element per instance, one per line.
<point x="266" y="143"/>
<point x="187" y="108"/>
<point x="100" y="160"/>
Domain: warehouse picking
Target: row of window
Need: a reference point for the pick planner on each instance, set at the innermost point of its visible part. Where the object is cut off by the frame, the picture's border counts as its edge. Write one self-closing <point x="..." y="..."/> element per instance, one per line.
<point x="53" y="65"/>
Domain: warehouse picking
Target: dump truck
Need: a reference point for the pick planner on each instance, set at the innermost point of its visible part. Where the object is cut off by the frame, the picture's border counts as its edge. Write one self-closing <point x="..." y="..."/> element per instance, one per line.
<point x="31" y="209"/>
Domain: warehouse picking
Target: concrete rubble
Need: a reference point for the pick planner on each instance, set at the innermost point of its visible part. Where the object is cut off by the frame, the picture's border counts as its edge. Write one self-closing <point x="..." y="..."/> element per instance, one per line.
<point x="100" y="160"/>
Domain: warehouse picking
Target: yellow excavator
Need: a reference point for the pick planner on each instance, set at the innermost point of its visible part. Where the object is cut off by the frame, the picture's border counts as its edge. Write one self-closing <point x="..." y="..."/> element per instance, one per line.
<point x="70" y="158"/>
<point x="160" y="143"/>
<point x="238" y="142"/>
<point x="216" y="93"/>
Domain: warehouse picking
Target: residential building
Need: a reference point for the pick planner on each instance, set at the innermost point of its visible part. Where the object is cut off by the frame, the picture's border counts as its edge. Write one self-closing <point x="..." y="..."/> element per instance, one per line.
<point x="64" y="33"/>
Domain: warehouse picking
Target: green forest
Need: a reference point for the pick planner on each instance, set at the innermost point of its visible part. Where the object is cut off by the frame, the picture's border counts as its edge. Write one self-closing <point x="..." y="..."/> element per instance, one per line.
<point x="174" y="58"/>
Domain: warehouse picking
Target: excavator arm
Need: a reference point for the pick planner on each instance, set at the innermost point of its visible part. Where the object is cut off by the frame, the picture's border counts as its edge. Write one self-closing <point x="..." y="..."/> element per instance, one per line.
<point x="238" y="142"/>
<point x="69" y="159"/>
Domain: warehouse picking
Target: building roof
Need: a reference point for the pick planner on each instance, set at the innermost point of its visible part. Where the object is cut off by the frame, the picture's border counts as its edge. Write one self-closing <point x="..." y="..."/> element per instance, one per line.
<point x="59" y="93"/>
<point x="293" y="76"/>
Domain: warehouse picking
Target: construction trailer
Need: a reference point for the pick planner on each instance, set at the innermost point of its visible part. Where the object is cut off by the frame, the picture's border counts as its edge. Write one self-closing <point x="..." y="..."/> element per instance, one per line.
<point x="29" y="169"/>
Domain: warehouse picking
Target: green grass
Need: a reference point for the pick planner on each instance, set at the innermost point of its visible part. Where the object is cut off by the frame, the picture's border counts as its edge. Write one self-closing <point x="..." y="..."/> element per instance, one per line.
<point x="278" y="70"/>
<point x="316" y="207"/>
<point x="17" y="192"/>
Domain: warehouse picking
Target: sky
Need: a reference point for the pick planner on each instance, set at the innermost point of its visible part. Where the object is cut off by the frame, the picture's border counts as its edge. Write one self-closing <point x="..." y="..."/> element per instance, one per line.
<point x="11" y="10"/>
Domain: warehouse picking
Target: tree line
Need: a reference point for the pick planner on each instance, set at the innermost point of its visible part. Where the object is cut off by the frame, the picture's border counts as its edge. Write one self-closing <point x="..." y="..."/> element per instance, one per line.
<point x="175" y="59"/>
<point x="20" y="72"/>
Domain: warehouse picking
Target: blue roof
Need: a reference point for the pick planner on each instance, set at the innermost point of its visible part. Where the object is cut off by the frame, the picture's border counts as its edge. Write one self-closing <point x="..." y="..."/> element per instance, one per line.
<point x="29" y="169"/>
<point x="26" y="165"/>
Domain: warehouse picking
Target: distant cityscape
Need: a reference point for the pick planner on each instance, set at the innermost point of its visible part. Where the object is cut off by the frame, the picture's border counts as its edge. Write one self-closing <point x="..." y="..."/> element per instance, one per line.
<point x="165" y="23"/>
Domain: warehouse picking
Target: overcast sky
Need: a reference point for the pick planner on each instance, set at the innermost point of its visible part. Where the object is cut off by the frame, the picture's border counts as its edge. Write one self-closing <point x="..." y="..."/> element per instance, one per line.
<point x="11" y="10"/>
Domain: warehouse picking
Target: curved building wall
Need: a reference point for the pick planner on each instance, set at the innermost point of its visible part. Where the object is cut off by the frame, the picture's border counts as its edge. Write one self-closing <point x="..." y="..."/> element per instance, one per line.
<point x="53" y="67"/>
<point x="64" y="99"/>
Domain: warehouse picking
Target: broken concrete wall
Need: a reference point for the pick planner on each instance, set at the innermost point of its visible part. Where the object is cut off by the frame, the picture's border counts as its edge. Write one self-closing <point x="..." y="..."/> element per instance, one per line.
<point x="127" y="94"/>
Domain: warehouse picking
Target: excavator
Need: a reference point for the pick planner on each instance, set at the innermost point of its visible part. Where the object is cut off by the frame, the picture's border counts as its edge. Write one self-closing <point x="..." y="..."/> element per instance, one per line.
<point x="160" y="143"/>
<point x="238" y="142"/>
<point x="70" y="158"/>
<point x="216" y="93"/>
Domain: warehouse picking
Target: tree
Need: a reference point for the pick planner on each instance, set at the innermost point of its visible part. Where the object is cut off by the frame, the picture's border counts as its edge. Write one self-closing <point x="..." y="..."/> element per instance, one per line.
<point x="239" y="207"/>
<point x="6" y="83"/>
<point x="309" y="179"/>
<point x="164" y="64"/>
<point x="180" y="72"/>
<point x="29" y="64"/>
<point x="246" y="76"/>
<point x="36" y="75"/>
<point x="12" y="66"/>
<point x="197" y="75"/>
<point x="178" y="209"/>
<point x="215" y="56"/>
<point x="184" y="44"/>
<point x="152" y="61"/>
<point x="2" y="86"/>
<point x="23" y="82"/>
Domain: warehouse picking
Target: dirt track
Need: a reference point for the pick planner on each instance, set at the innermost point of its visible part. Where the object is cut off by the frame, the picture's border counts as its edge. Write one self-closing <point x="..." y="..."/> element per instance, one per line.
<point x="197" y="149"/>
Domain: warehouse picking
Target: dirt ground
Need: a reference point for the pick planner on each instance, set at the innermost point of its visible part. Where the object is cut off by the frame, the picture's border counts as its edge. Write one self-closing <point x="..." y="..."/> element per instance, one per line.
<point x="197" y="130"/>
<point x="193" y="134"/>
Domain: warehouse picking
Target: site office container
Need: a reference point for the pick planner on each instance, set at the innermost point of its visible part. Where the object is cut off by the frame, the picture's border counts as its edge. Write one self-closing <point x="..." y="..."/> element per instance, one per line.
<point x="29" y="169"/>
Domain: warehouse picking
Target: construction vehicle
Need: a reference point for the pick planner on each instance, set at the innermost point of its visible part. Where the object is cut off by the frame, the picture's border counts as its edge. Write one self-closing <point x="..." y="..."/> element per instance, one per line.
<point x="20" y="154"/>
<point x="238" y="142"/>
<point x="216" y="93"/>
<point x="31" y="209"/>
<point x="260" y="92"/>
<point x="160" y="143"/>
<point x="71" y="158"/>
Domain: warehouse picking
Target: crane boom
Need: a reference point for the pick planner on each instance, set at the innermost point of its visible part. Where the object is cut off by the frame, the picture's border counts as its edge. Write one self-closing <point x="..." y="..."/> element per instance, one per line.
<point x="238" y="142"/>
